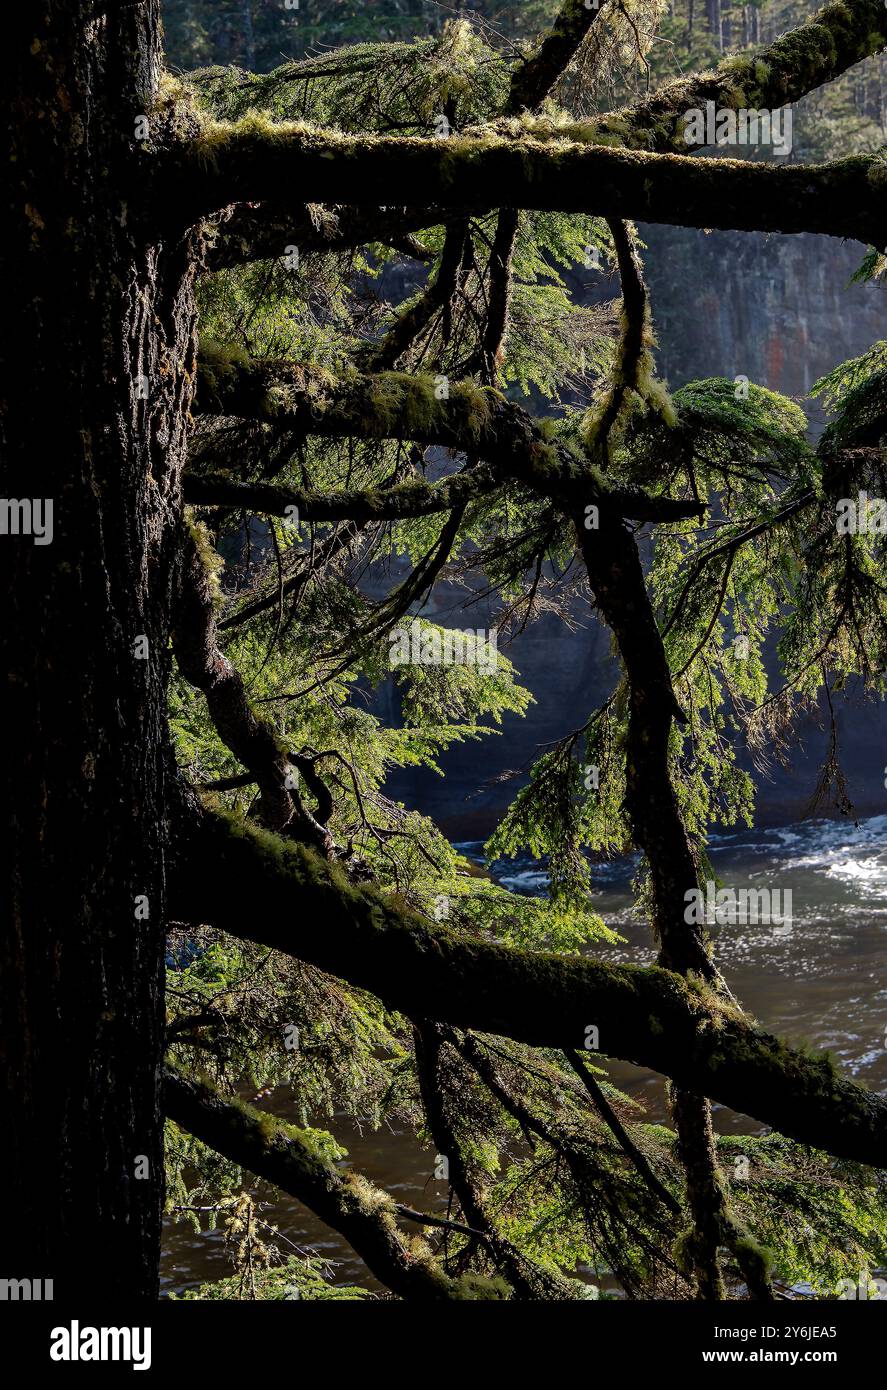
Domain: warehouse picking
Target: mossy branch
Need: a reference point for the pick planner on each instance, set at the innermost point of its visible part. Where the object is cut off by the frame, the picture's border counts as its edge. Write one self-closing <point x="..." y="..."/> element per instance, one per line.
<point x="250" y="233"/>
<point x="464" y="417"/>
<point x="254" y="885"/>
<point x="834" y="39"/>
<point x="254" y="158"/>
<point x="252" y="741"/>
<point x="633" y="379"/>
<point x="289" y="1158"/>
<point x="410" y="499"/>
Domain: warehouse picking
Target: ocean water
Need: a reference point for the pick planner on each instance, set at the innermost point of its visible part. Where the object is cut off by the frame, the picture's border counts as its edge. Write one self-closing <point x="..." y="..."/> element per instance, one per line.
<point x="825" y="978"/>
<point x="823" y="982"/>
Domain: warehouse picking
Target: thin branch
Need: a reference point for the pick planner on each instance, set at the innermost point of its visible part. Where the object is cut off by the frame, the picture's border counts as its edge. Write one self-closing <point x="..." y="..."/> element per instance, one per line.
<point x="620" y="1133"/>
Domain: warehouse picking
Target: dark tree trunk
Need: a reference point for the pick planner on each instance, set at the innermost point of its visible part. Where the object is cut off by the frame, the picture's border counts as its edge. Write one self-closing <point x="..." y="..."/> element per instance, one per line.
<point x="713" y="15"/>
<point x="249" y="36"/>
<point x="97" y="348"/>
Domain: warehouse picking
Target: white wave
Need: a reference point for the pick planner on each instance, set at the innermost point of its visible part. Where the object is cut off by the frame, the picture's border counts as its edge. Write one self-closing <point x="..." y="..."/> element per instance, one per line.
<point x="526" y="881"/>
<point x="866" y="870"/>
<point x="854" y="856"/>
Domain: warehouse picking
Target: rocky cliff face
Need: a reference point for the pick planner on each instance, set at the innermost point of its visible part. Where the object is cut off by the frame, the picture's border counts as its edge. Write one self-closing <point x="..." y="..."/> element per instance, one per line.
<point x="781" y="311"/>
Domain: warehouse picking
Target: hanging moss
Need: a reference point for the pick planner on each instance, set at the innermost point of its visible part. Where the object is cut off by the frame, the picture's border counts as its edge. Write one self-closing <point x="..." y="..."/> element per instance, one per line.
<point x="211" y="561"/>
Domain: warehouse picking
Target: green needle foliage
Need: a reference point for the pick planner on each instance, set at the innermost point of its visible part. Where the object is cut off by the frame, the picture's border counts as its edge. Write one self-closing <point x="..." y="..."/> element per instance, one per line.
<point x="307" y="611"/>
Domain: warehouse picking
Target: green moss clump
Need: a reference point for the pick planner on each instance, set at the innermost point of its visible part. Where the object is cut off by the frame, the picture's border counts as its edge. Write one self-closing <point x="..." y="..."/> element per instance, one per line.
<point x="218" y="365"/>
<point x="212" y="562"/>
<point x="473" y="1287"/>
<point x="404" y="400"/>
<point x="477" y="402"/>
<point x="256" y="130"/>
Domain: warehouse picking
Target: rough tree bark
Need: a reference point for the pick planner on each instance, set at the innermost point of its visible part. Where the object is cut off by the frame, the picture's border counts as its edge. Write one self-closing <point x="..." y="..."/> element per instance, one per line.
<point x="97" y="348"/>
